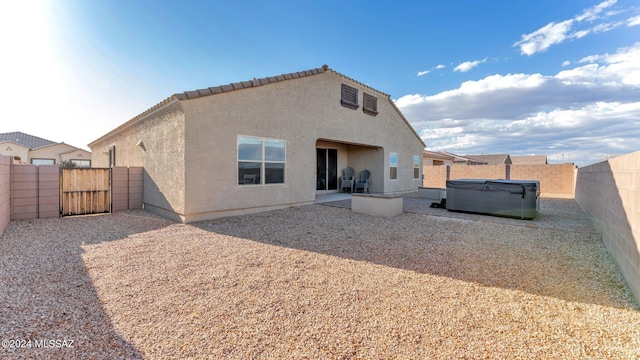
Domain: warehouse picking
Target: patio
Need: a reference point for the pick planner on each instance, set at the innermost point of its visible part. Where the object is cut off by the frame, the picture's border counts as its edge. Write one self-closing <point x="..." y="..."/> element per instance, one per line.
<point x="559" y="214"/>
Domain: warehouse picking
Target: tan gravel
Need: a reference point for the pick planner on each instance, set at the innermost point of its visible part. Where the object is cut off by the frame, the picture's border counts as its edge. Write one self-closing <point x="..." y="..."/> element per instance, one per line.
<point x="311" y="282"/>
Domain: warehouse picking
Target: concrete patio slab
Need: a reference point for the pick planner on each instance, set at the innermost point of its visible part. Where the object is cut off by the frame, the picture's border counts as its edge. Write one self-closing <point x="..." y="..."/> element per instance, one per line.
<point x="559" y="214"/>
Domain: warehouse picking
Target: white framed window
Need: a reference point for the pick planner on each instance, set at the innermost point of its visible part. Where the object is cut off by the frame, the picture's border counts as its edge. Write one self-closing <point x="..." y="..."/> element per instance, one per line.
<point x="261" y="161"/>
<point x="393" y="166"/>
<point x="43" y="161"/>
<point x="416" y="166"/>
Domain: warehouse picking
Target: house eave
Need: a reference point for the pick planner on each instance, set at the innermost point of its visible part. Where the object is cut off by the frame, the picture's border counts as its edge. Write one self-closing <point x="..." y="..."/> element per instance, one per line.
<point x="159" y="106"/>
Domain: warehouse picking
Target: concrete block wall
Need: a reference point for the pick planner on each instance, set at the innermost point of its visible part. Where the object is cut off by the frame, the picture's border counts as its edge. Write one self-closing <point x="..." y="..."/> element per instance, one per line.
<point x="609" y="192"/>
<point x="555" y="179"/>
<point x="126" y="188"/>
<point x="435" y="176"/>
<point x="5" y="192"/>
<point x="478" y="172"/>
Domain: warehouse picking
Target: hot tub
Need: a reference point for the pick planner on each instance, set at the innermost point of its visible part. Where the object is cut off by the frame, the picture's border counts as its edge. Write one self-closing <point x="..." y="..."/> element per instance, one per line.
<point x="512" y="198"/>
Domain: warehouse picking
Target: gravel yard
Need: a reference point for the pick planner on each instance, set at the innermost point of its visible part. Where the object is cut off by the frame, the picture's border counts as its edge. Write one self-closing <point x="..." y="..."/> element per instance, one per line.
<point x="310" y="282"/>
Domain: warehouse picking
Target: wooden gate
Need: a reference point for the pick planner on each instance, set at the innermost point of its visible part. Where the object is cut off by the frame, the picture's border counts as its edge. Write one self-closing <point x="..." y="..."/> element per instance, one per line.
<point x="85" y="191"/>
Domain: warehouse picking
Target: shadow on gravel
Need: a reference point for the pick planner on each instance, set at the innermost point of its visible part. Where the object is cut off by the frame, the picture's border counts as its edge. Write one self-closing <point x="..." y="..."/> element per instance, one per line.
<point x="47" y="298"/>
<point x="561" y="264"/>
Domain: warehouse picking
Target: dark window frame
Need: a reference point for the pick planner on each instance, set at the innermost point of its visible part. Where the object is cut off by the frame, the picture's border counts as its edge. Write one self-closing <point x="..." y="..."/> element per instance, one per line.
<point x="112" y="156"/>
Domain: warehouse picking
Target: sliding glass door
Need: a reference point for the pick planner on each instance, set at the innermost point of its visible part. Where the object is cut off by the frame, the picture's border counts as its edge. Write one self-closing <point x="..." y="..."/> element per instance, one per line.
<point x="326" y="169"/>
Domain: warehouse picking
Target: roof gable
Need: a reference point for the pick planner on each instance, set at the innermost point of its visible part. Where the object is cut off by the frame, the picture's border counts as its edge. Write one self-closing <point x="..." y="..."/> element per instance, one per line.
<point x="188" y="95"/>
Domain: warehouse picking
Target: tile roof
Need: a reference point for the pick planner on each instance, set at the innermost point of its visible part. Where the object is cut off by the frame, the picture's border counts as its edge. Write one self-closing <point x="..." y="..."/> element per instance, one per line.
<point x="437" y="155"/>
<point x="30" y="141"/>
<point x="459" y="158"/>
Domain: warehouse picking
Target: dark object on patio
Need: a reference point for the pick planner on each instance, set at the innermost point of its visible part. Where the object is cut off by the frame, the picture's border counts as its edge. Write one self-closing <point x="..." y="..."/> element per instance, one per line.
<point x="441" y="205"/>
<point x="511" y="198"/>
<point x="346" y="180"/>
<point x="363" y="182"/>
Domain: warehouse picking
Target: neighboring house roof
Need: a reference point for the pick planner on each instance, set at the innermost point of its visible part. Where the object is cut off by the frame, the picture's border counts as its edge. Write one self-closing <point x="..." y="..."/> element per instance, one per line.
<point x="491" y="159"/>
<point x="529" y="160"/>
<point x="464" y="159"/>
<point x="187" y="95"/>
<point x="26" y="140"/>
<point x="437" y="155"/>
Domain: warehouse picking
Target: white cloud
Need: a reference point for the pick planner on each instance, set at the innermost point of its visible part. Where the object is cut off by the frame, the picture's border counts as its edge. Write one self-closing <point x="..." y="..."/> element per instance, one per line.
<point x="557" y="32"/>
<point x="541" y="39"/>
<point x="580" y="114"/>
<point x="468" y="65"/>
<point x="425" y="72"/>
<point x="634" y="21"/>
<point x="566" y="63"/>
<point x="592" y="13"/>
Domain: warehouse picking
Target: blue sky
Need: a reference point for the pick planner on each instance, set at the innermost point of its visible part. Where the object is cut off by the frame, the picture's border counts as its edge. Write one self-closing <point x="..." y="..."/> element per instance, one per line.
<point x="557" y="78"/>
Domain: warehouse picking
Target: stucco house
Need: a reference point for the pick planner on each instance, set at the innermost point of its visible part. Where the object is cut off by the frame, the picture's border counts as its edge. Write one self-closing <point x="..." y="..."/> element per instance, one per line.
<point x="264" y="144"/>
<point x="433" y="158"/>
<point x="28" y="149"/>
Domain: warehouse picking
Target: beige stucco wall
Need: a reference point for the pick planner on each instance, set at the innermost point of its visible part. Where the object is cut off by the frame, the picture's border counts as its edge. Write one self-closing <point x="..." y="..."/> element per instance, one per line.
<point x="77" y="154"/>
<point x="161" y="154"/>
<point x="301" y="112"/>
<point x="12" y="150"/>
<point x="190" y="146"/>
<point x="58" y="152"/>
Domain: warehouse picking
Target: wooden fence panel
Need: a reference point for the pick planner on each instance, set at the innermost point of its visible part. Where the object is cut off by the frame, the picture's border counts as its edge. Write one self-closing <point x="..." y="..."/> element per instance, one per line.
<point x="85" y="191"/>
